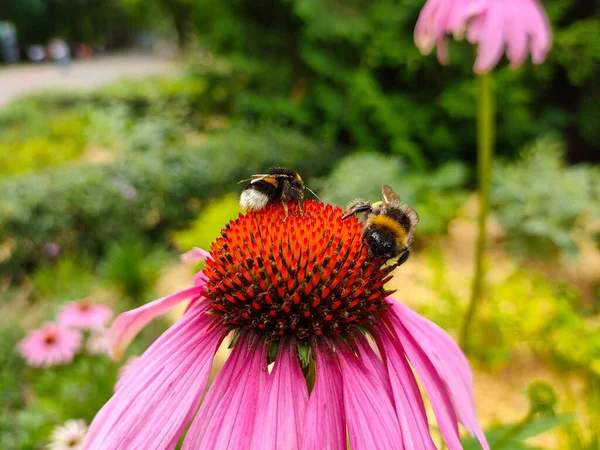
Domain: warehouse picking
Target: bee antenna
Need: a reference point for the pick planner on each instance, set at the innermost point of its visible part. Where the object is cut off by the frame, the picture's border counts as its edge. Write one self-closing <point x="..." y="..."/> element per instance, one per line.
<point x="312" y="192"/>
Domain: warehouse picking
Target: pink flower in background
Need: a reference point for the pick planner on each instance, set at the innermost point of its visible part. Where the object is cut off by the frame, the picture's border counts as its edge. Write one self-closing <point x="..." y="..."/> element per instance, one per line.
<point x="84" y="314"/>
<point x="517" y="26"/>
<point x="303" y="291"/>
<point x="50" y="345"/>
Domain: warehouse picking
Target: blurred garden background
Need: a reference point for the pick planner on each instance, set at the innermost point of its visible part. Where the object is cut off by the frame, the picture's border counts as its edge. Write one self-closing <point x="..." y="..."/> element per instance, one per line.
<point x="131" y="154"/>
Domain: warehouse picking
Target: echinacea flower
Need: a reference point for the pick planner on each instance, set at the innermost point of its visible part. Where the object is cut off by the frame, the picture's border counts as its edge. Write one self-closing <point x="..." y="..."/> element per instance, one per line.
<point x="300" y="290"/>
<point x="69" y="436"/>
<point x="84" y="314"/>
<point x="494" y="25"/>
<point x="50" y="345"/>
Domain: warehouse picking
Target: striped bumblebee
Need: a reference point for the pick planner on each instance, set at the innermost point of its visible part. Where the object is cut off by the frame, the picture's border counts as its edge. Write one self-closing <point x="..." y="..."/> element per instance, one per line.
<point x="277" y="185"/>
<point x="388" y="225"/>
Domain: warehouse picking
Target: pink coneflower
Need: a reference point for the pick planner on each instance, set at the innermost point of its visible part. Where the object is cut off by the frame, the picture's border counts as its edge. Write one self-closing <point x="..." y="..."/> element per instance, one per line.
<point x="303" y="292"/>
<point x="85" y="314"/>
<point x="50" y="345"/>
<point x="517" y="25"/>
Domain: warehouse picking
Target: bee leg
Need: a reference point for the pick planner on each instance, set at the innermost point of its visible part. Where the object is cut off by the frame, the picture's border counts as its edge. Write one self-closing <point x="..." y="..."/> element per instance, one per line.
<point x="357" y="208"/>
<point x="285" y="208"/>
<point x="402" y="259"/>
<point x="301" y="204"/>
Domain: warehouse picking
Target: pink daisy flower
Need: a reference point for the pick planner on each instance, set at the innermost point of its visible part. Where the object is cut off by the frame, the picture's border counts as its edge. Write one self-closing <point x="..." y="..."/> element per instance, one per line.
<point x="303" y="292"/>
<point x="84" y="314"/>
<point x="519" y="26"/>
<point x="50" y="345"/>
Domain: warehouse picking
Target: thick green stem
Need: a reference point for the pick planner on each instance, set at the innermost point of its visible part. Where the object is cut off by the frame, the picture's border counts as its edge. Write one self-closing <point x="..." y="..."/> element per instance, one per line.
<point x="485" y="145"/>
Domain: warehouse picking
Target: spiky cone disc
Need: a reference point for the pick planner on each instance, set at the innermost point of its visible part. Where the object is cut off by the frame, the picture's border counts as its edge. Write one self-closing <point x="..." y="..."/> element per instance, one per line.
<point x="304" y="275"/>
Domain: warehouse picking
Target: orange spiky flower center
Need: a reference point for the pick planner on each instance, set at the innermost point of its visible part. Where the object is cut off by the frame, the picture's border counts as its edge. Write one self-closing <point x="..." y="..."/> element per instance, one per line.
<point x="302" y="275"/>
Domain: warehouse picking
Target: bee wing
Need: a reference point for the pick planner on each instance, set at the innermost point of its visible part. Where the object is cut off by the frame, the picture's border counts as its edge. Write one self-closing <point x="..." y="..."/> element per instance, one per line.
<point x="411" y="214"/>
<point x="255" y="178"/>
<point x="390" y="198"/>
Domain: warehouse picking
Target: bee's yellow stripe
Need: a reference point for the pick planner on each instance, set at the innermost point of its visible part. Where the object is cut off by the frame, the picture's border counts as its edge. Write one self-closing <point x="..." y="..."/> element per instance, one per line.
<point x="391" y="224"/>
<point x="271" y="180"/>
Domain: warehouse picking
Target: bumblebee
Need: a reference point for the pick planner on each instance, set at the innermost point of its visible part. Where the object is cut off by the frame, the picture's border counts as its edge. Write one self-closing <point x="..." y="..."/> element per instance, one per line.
<point x="387" y="225"/>
<point x="277" y="185"/>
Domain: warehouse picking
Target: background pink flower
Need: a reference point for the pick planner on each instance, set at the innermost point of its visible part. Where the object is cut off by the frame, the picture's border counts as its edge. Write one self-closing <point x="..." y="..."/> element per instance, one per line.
<point x="50" y="345"/>
<point x="517" y="26"/>
<point x="85" y="314"/>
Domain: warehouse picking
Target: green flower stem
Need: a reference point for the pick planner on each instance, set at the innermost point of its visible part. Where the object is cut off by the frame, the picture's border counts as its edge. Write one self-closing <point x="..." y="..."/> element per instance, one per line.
<point x="485" y="145"/>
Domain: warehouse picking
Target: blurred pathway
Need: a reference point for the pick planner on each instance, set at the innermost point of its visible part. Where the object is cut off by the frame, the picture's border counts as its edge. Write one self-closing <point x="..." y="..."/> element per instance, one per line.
<point x="17" y="81"/>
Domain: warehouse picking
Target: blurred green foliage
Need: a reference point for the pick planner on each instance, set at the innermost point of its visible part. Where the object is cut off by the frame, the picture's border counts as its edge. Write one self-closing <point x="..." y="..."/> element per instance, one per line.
<point x="349" y="74"/>
<point x="30" y="138"/>
<point x="12" y="396"/>
<point x="150" y="193"/>
<point x="543" y="203"/>
<point x="526" y="309"/>
<point x="435" y="194"/>
<point x="132" y="266"/>
<point x="207" y="227"/>
<point x="59" y="393"/>
<point x="516" y="437"/>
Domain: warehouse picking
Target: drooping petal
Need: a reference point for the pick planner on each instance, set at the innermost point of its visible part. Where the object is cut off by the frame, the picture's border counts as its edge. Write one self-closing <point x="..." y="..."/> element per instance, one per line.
<point x="434" y="386"/>
<point x="372" y="362"/>
<point x="158" y="397"/>
<point x="516" y="36"/>
<point x="226" y="418"/>
<point x="540" y="32"/>
<point x="282" y="409"/>
<point x="194" y="256"/>
<point x="325" y="426"/>
<point x="370" y="414"/>
<point x="449" y="362"/>
<point x="491" y="42"/>
<point x="406" y="394"/>
<point x="126" y="327"/>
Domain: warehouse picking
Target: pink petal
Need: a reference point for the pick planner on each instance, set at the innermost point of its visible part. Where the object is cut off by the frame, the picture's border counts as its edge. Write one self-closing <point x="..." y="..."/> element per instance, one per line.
<point x="157" y="400"/>
<point x="491" y="40"/>
<point x="461" y="13"/>
<point x="424" y="29"/>
<point x="226" y="417"/>
<point x="407" y="396"/>
<point x="540" y="32"/>
<point x="449" y="362"/>
<point x="442" y="51"/>
<point x="370" y="414"/>
<point x="325" y="419"/>
<point x="128" y="325"/>
<point x="434" y="386"/>
<point x="516" y="36"/>
<point x="282" y="409"/>
<point x="373" y="362"/>
<point x="194" y="256"/>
